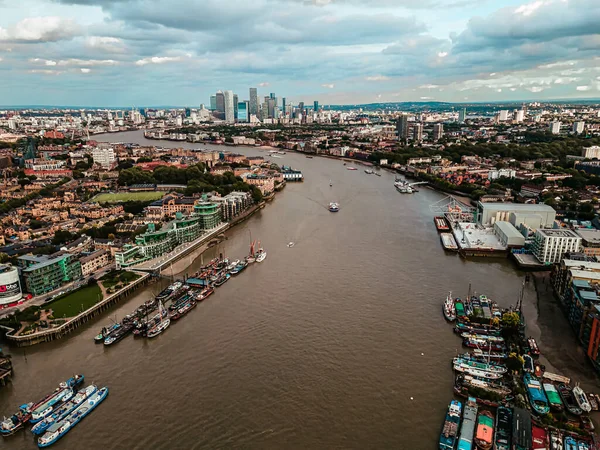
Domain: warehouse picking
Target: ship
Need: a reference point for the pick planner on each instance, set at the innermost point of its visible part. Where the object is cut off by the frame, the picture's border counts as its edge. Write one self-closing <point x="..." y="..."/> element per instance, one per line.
<point x="119" y="334"/>
<point x="240" y="267"/>
<point x="161" y="326"/>
<point x="485" y="430"/>
<point x="539" y="438"/>
<point x="475" y="372"/>
<point x="470" y="381"/>
<point x="570" y="443"/>
<point x="403" y="187"/>
<point x="222" y="279"/>
<point x="581" y="399"/>
<point x="191" y="304"/>
<point x="99" y="338"/>
<point x="14" y="423"/>
<point x="502" y="440"/>
<point x="535" y="393"/>
<point x="553" y="396"/>
<point x="448" y="242"/>
<point x="232" y="265"/>
<point x="566" y="394"/>
<point x="556" y="440"/>
<point x="476" y="329"/>
<point x="334" y="207"/>
<point x="449" y="308"/>
<point x="59" y="429"/>
<point x="450" y="429"/>
<point x="170" y="290"/>
<point x="488" y="366"/>
<point x="205" y="293"/>
<point x="62" y="394"/>
<point x="480" y="343"/>
<point x="483" y="337"/>
<point x="440" y="223"/>
<point x="261" y="254"/>
<point x="467" y="429"/>
<point x="64" y="410"/>
<point x="496" y="356"/>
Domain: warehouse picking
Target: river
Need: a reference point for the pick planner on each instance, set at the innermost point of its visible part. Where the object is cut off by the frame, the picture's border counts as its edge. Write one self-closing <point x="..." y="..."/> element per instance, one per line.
<point x="337" y="342"/>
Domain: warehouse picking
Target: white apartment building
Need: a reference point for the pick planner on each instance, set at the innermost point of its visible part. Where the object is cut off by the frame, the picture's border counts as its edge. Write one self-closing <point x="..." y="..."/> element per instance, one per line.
<point x="578" y="127"/>
<point x="549" y="246"/>
<point x="592" y="152"/>
<point x="519" y="115"/>
<point x="503" y="115"/>
<point x="555" y="127"/>
<point x="104" y="156"/>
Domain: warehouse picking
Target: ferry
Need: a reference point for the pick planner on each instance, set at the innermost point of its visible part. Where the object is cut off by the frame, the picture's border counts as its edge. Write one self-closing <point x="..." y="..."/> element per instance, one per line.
<point x="553" y="396"/>
<point x="556" y="440"/>
<point x="64" y="410"/>
<point x="566" y="394"/>
<point x="450" y="429"/>
<point x="581" y="399"/>
<point x="502" y="440"/>
<point x="63" y="393"/>
<point x="448" y="242"/>
<point x="537" y="398"/>
<point x="539" y="438"/>
<point x="485" y="430"/>
<point x="334" y="207"/>
<point x="468" y="425"/>
<point x="441" y="224"/>
<point x="99" y="338"/>
<point x="14" y="423"/>
<point x="449" y="308"/>
<point x="570" y="443"/>
<point x="59" y="429"/>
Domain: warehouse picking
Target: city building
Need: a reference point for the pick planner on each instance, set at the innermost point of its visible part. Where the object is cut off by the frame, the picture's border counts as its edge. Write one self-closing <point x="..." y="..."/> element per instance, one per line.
<point x="508" y="235"/>
<point x="549" y="246"/>
<point x="94" y="261"/>
<point x="104" y="156"/>
<point x="533" y="216"/>
<point x="590" y="241"/>
<point x="438" y="131"/>
<point x="265" y="183"/>
<point x="462" y="115"/>
<point x="519" y="115"/>
<point x="43" y="274"/>
<point x="243" y="113"/>
<point x="592" y="152"/>
<point x="578" y="127"/>
<point x="253" y="103"/>
<point x="235" y="106"/>
<point x="10" y="285"/>
<point x="555" y="127"/>
<point x="503" y="115"/>
<point x="291" y="175"/>
<point x="208" y="213"/>
<point x="402" y="127"/>
<point x="316" y="106"/>
<point x="418" y="132"/>
<point x="233" y="204"/>
<point x="229" y="111"/>
<point x="213" y="102"/>
<point x="220" y="102"/>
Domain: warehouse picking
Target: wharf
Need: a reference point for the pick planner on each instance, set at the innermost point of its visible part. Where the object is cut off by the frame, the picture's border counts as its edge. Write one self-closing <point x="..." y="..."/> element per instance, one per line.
<point x="474" y="240"/>
<point x="527" y="261"/>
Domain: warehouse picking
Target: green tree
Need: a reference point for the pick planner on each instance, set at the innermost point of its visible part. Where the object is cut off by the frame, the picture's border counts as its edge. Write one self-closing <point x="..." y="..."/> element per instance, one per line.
<point x="514" y="362"/>
<point x="511" y="320"/>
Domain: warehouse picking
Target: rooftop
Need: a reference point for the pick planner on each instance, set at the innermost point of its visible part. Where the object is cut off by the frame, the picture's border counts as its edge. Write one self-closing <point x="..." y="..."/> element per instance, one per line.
<point x="516" y="206"/>
<point x="508" y="229"/>
<point x="589" y="236"/>
<point x="558" y="233"/>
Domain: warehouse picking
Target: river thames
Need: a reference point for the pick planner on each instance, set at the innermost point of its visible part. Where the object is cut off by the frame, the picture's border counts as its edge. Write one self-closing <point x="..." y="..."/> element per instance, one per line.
<point x="336" y="343"/>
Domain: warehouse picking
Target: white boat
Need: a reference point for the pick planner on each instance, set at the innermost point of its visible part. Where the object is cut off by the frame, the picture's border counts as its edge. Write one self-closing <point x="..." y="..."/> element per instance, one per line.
<point x="160" y="326"/>
<point x="449" y="308"/>
<point x="581" y="399"/>
<point x="334" y="207"/>
<point x="403" y="187"/>
<point x="232" y="265"/>
<point x="291" y="244"/>
<point x="260" y="255"/>
<point x="478" y="373"/>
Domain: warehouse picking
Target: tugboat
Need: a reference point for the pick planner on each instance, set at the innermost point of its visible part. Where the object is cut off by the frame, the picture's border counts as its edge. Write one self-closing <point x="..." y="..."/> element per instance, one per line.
<point x="17" y="421"/>
<point x="59" y="429"/>
<point x="449" y="309"/>
<point x="334" y="207"/>
<point x="566" y="394"/>
<point x="450" y="429"/>
<point x="503" y="429"/>
<point x="485" y="430"/>
<point x="64" y="410"/>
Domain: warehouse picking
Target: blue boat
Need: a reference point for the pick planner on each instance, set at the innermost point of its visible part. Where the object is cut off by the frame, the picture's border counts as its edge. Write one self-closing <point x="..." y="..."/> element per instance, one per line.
<point x="450" y="430"/>
<point x="59" y="429"/>
<point x="12" y="424"/>
<point x="467" y="430"/>
<point x="64" y="410"/>
<point x="237" y="269"/>
<point x="105" y="332"/>
<point x="62" y="394"/>
<point x="570" y="443"/>
<point x="537" y="397"/>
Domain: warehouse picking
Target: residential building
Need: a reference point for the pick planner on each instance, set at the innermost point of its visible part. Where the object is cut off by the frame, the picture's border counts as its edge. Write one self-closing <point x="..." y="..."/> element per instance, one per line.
<point x="418" y="132"/>
<point x="438" y="131"/>
<point x="549" y="246"/>
<point x="265" y="183"/>
<point x="229" y="111"/>
<point x="402" y="127"/>
<point x="233" y="204"/>
<point x="243" y="114"/>
<point x="519" y="115"/>
<point x="590" y="241"/>
<point x="94" y="261"/>
<point x="213" y="102"/>
<point x="316" y="106"/>
<point x="43" y="274"/>
<point x="555" y="127"/>
<point x="169" y="206"/>
<point x="462" y="115"/>
<point x="220" y="102"/>
<point x="503" y="115"/>
<point x="253" y="103"/>
<point x="104" y="156"/>
<point x="499" y="173"/>
<point x="208" y="213"/>
<point x="578" y="127"/>
<point x="592" y="152"/>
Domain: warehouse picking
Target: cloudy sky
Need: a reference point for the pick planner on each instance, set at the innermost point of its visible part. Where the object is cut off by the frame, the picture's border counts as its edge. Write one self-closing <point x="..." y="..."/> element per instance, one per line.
<point x="151" y="52"/>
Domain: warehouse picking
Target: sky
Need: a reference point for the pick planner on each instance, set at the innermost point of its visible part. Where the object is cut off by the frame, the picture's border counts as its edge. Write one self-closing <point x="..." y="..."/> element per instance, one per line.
<point x="134" y="53"/>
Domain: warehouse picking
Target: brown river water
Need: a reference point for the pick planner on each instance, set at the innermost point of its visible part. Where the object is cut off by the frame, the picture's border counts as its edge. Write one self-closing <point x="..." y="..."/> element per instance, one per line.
<point x="336" y="343"/>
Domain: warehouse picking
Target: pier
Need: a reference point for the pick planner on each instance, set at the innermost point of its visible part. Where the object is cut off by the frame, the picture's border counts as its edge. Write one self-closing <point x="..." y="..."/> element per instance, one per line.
<point x="75" y="322"/>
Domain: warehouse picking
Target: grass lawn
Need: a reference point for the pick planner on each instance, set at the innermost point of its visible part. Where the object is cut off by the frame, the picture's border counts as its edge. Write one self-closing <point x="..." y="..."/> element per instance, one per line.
<point x="127" y="197"/>
<point x="70" y="305"/>
<point x="114" y="278"/>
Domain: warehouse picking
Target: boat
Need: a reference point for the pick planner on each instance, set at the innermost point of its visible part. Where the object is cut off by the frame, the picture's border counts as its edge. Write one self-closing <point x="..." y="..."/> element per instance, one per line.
<point x="309" y="157"/>
<point x="556" y="440"/>
<point x="570" y="443"/>
<point x="553" y="396"/>
<point x="539" y="438"/>
<point x="222" y="279"/>
<point x="459" y="307"/>
<point x="475" y="329"/>
<point x="239" y="268"/>
<point x="334" y="207"/>
<point x="64" y="410"/>
<point x="449" y="308"/>
<point x="486" y="385"/>
<point x="290" y="244"/>
<point x="191" y="304"/>
<point x="378" y="174"/>
<point x="207" y="291"/>
<point x="232" y="264"/>
<point x="581" y="399"/>
<point x="99" y="338"/>
<point x="10" y="425"/>
<point x="448" y="242"/>
<point x="115" y="337"/>
<point x="351" y="168"/>
<point x="536" y="395"/>
<point x="533" y="347"/>
<point x="528" y="365"/>
<point x="161" y="326"/>
<point x="480" y="343"/>
<point x="496" y="356"/>
<point x="502" y="440"/>
<point x="169" y="290"/>
<point x="440" y="223"/>
<point x="484" y="434"/>
<point x="483" y="337"/>
<point x="586" y="423"/>
<point x="467" y="429"/>
<point x="566" y="394"/>
<point x="261" y="254"/>
<point x="63" y="393"/>
<point x="330" y="183"/>
<point x="477" y="373"/>
<point x="369" y="172"/>
<point x="403" y="187"/>
<point x="449" y="432"/>
<point x="480" y="365"/>
<point x="59" y="429"/>
<point x="581" y="445"/>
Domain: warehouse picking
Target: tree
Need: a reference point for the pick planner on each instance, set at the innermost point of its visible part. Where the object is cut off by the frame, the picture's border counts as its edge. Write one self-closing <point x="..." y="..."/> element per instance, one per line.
<point x="514" y="362"/>
<point x="62" y="236"/>
<point x="511" y="320"/>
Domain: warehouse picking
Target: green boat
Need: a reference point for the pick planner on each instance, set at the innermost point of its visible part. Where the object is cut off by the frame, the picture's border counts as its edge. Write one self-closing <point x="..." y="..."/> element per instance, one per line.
<point x="553" y="397"/>
<point x="460" y="309"/>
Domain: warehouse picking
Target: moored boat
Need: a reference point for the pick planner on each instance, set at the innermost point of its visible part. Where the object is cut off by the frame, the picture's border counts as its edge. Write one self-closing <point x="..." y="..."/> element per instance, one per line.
<point x="62" y="394"/>
<point x="536" y="395"/>
<point x="161" y="326"/>
<point x="581" y="399"/>
<point x="440" y="223"/>
<point x="484" y="434"/>
<point x="496" y="356"/>
<point x="205" y="293"/>
<point x="570" y="443"/>
<point x="502" y="439"/>
<point x="566" y="394"/>
<point x="533" y="347"/>
<point x="581" y="445"/>
<point x="449" y="308"/>
<point x="59" y="429"/>
<point x="334" y="207"/>
<point x="191" y="304"/>
<point x="64" y="410"/>
<point x="556" y="440"/>
<point x="222" y="279"/>
<point x="553" y="396"/>
<point x="482" y="337"/>
<point x="481" y="343"/>
<point x="477" y="373"/>
<point x="116" y="336"/>
<point x="99" y="338"/>
<point x="468" y="360"/>
<point x="14" y="423"/>
<point x="539" y="438"/>
<point x="449" y="432"/>
<point x="261" y="255"/>
<point x="240" y="267"/>
<point x="467" y="429"/>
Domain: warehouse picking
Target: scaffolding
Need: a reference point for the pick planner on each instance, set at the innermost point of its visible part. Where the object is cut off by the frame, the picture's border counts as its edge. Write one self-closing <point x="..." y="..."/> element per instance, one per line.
<point x="454" y="211"/>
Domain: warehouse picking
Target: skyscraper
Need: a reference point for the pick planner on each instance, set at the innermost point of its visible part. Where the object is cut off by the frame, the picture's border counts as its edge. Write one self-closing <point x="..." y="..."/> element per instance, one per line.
<point x="220" y="101"/>
<point x="438" y="131"/>
<point x="235" y="106"/>
<point x="253" y="101"/>
<point x="462" y="115"/>
<point x="271" y="103"/>
<point x="283" y="105"/>
<point x="213" y="102"/>
<point x="418" y="132"/>
<point x="316" y="106"/>
<point x="272" y="95"/>
<point x="264" y="111"/>
<point x="578" y="127"/>
<point x="402" y="127"/>
<point x="229" y="111"/>
<point x="555" y="127"/>
<point x="242" y="109"/>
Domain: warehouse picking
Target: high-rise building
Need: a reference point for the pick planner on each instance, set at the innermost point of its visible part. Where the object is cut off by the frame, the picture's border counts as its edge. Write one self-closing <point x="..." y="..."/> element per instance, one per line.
<point x="213" y="102"/>
<point x="301" y="108"/>
<point x="253" y="101"/>
<point x="418" y="132"/>
<point x="284" y="105"/>
<point x="235" y="106"/>
<point x="462" y="115"/>
<point x="555" y="127"/>
<point x="503" y="115"/>
<point x="272" y="95"/>
<point x="264" y="111"/>
<point x="188" y="112"/>
<point x="519" y="115"/>
<point x="438" y="131"/>
<point x="271" y="103"/>
<point x="104" y="156"/>
<point x="402" y="127"/>
<point x="229" y="111"/>
<point x="220" y="102"/>
<point x="578" y="127"/>
<point x="316" y="106"/>
<point x="243" y="113"/>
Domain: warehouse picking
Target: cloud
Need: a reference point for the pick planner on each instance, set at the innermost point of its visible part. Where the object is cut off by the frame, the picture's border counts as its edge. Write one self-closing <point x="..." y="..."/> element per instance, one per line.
<point x="46" y="71"/>
<point x="158" y="60"/>
<point x="264" y="84"/>
<point x="583" y="88"/>
<point x="328" y="86"/>
<point x="106" y="44"/>
<point x="85" y="70"/>
<point x="377" y="78"/>
<point x="40" y="29"/>
<point x="426" y="98"/>
<point x="535" y="89"/>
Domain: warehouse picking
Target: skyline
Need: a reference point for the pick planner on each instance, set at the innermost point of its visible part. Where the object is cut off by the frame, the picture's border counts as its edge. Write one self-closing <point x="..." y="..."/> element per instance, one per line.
<point x="137" y="52"/>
